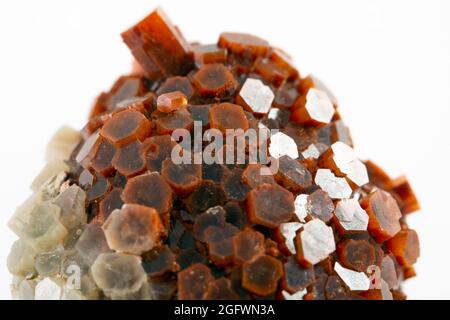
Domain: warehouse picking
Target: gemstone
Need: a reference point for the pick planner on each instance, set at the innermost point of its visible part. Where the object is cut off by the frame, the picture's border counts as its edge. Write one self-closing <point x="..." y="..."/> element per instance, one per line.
<point x="206" y="54"/>
<point x="227" y="116"/>
<point x="315" y="242"/>
<point x="337" y="188"/>
<point x="116" y="209"/>
<point x="125" y="127"/>
<point x="171" y="101"/>
<point x="384" y="215"/>
<point x="261" y="276"/>
<point x="355" y="281"/>
<point x="314" y="109"/>
<point x="158" y="46"/>
<point x="193" y="282"/>
<point x="243" y="44"/>
<point x="270" y="205"/>
<point x="133" y="229"/>
<point x="255" y="96"/>
<point x="296" y="278"/>
<point x="405" y="247"/>
<point x="108" y="271"/>
<point x="282" y="145"/>
<point x="149" y="190"/>
<point x="214" y="80"/>
<point x="350" y="217"/>
<point x="357" y="255"/>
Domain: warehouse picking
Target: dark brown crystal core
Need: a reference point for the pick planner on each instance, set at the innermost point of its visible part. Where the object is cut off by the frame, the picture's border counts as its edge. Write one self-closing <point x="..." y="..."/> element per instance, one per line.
<point x="228" y="231"/>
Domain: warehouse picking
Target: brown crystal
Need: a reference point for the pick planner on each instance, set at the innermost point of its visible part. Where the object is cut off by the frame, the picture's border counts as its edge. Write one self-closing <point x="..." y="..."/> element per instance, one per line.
<point x="193" y="282"/>
<point x="320" y="205"/>
<point x="214" y="80"/>
<point x="270" y="205"/>
<point x="207" y="54"/>
<point x="171" y="101"/>
<point x="243" y="44"/>
<point x="292" y="174"/>
<point x="181" y="84"/>
<point x="220" y="289"/>
<point x="149" y="190"/>
<point x="252" y="176"/>
<point x="296" y="277"/>
<point x="157" y="149"/>
<point x="261" y="276"/>
<point x="158" y="46"/>
<point x="158" y="261"/>
<point x="183" y="178"/>
<point x="248" y="245"/>
<point x="166" y="123"/>
<point x="405" y="247"/>
<point x="384" y="215"/>
<point x="357" y="255"/>
<point x="129" y="160"/>
<point x="125" y="127"/>
<point x="405" y="195"/>
<point x="227" y="116"/>
<point x="111" y="202"/>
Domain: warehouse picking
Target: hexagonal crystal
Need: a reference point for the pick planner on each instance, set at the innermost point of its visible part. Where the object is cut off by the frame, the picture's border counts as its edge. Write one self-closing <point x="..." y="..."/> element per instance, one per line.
<point x="289" y="231"/>
<point x="72" y="204"/>
<point x="315" y="242"/>
<point x="319" y="106"/>
<point x="49" y="289"/>
<point x="43" y="230"/>
<point x="300" y="204"/>
<point x="351" y="216"/>
<point x="337" y="188"/>
<point x="312" y="152"/>
<point x="26" y="289"/>
<point x="355" y="281"/>
<point x="282" y="145"/>
<point x="256" y="96"/>
<point x="91" y="243"/>
<point x="118" y="273"/>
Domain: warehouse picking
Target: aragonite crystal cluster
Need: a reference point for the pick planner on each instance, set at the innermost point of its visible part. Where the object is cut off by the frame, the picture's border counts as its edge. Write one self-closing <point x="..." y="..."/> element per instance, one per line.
<point x="113" y="216"/>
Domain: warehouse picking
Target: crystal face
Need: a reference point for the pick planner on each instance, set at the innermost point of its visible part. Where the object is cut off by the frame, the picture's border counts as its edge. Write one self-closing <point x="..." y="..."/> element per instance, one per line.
<point x="113" y="216"/>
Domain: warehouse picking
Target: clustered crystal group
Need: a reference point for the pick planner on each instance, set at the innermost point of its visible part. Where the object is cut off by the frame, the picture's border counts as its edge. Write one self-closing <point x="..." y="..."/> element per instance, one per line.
<point x="112" y="217"/>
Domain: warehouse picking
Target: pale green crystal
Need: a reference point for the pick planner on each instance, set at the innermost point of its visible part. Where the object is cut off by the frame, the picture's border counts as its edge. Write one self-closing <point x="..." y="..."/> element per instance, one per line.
<point x="21" y="259"/>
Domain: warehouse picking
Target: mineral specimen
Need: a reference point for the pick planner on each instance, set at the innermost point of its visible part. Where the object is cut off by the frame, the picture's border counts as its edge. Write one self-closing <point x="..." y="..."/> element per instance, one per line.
<point x="114" y="216"/>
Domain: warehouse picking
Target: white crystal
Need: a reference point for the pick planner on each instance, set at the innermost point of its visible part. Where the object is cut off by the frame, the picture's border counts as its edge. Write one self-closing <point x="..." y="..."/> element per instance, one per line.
<point x="49" y="289"/>
<point x="348" y="163"/>
<point x="72" y="203"/>
<point x="312" y="152"/>
<point x="337" y="188"/>
<point x="289" y="231"/>
<point x="257" y="96"/>
<point x="321" y="86"/>
<point x="319" y="106"/>
<point x="118" y="273"/>
<point x="72" y="294"/>
<point x="282" y="145"/>
<point x="144" y="293"/>
<point x="317" y="241"/>
<point x="21" y="259"/>
<point x="62" y="144"/>
<point x="273" y="113"/>
<point x="26" y="290"/>
<point x="296" y="296"/>
<point x="351" y="216"/>
<point x="301" y="209"/>
<point x="355" y="281"/>
<point x="52" y="168"/>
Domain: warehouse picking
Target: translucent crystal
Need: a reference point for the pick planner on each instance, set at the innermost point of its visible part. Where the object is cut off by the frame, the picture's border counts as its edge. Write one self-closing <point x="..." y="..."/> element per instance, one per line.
<point x="49" y="289"/>
<point x="337" y="188"/>
<point x="255" y="96"/>
<point x="144" y="293"/>
<point x="27" y="289"/>
<point x="118" y="273"/>
<point x="21" y="259"/>
<point x="315" y="242"/>
<point x="355" y="281"/>
<point x="281" y="144"/>
<point x="319" y="106"/>
<point x="72" y="202"/>
<point x="91" y="243"/>
<point x="48" y="263"/>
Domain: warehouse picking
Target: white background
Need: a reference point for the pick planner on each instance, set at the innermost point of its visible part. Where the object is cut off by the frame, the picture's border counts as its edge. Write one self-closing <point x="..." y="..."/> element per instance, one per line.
<point x="388" y="62"/>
